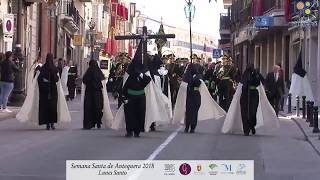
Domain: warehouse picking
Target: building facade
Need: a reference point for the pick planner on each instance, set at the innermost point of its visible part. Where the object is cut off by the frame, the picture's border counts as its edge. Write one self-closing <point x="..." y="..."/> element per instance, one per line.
<point x="280" y="40"/>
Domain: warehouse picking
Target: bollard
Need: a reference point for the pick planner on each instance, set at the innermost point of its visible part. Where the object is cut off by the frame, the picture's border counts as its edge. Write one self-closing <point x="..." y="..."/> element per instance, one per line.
<point x="308" y="111"/>
<point x="315" y="120"/>
<point x="289" y="103"/>
<point x="311" y="114"/>
<point x="298" y="107"/>
<point x="303" y="107"/>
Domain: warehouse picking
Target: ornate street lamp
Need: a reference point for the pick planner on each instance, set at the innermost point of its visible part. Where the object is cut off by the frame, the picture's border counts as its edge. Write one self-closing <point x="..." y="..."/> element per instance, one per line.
<point x="189" y="10"/>
<point x="92" y="26"/>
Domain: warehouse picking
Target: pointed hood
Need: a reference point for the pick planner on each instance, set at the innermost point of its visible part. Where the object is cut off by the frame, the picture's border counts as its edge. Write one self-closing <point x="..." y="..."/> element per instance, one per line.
<point x="298" y="68"/>
<point x="136" y="66"/>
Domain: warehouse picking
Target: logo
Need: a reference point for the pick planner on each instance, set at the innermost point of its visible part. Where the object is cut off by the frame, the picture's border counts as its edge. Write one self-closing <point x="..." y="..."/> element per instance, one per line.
<point x="169" y="169"/>
<point x="227" y="169"/>
<point x="185" y="169"/>
<point x="241" y="169"/>
<point x="213" y="169"/>
<point x="305" y="13"/>
<point x="199" y="168"/>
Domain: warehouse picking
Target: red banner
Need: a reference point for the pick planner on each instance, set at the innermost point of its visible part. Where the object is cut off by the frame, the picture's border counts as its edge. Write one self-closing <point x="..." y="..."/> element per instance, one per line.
<point x="288" y="11"/>
<point x="111" y="47"/>
<point x="257" y="8"/>
<point x="126" y="14"/>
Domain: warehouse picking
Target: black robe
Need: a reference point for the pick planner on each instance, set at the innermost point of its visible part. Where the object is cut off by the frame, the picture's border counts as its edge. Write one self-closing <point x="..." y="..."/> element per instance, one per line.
<point x="72" y="76"/>
<point x="48" y="95"/>
<point x="135" y="108"/>
<point x="93" y="98"/>
<point x="249" y="99"/>
<point x="193" y="102"/>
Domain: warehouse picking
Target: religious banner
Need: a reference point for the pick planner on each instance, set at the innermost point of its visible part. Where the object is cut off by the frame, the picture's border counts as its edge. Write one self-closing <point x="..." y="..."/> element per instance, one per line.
<point x="160" y="41"/>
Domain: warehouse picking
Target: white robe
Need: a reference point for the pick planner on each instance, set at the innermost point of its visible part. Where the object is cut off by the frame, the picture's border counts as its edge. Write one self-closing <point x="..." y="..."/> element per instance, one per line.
<point x="209" y="109"/>
<point x="300" y="87"/>
<point x="64" y="80"/>
<point x="166" y="99"/>
<point x="156" y="110"/>
<point x="29" y="112"/>
<point x="107" y="117"/>
<point x="266" y="116"/>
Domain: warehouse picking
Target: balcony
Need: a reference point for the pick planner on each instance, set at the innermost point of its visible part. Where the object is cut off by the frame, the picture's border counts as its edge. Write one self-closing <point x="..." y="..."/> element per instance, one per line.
<point x="70" y="17"/>
<point x="85" y="0"/>
<point x="225" y="23"/>
<point x="271" y="5"/>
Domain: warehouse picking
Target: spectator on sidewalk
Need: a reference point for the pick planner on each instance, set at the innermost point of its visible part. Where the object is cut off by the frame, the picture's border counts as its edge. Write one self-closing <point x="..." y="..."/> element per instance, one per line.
<point x="8" y="67"/>
<point x="281" y="75"/>
<point x="274" y="85"/>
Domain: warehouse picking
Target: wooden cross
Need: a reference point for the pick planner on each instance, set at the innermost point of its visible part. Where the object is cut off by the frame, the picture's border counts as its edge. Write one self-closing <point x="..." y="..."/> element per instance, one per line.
<point x="144" y="38"/>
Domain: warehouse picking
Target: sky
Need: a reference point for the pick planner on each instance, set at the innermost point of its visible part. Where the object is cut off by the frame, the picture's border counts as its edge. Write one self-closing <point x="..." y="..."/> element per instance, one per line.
<point x="206" y="20"/>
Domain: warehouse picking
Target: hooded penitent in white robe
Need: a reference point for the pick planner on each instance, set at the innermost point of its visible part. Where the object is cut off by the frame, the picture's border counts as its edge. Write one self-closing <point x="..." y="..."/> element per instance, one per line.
<point x="156" y="109"/>
<point x="64" y="80"/>
<point x="29" y="112"/>
<point x="266" y="116"/>
<point x="107" y="117"/>
<point x="209" y="109"/>
<point x="300" y="86"/>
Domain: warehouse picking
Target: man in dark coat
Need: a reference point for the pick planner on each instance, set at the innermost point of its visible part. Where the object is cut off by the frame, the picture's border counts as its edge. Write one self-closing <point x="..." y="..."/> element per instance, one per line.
<point x="71" y="83"/>
<point x="274" y="85"/>
<point x="249" y="99"/>
<point x="134" y="95"/>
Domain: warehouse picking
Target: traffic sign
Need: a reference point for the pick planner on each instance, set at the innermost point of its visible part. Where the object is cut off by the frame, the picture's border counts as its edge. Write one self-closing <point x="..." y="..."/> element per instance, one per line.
<point x="217" y="53"/>
<point x="77" y="40"/>
<point x="263" y="21"/>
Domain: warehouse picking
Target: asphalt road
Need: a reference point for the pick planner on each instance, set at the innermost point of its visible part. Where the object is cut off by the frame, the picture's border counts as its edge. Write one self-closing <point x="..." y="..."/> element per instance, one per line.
<point x="36" y="154"/>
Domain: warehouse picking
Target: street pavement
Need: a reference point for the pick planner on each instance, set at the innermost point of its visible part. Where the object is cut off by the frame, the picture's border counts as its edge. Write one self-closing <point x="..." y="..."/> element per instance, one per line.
<point x="36" y="154"/>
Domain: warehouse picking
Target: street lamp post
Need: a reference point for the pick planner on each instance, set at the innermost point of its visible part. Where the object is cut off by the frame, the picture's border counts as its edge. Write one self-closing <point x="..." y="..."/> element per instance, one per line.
<point x="92" y="26"/>
<point x="189" y="10"/>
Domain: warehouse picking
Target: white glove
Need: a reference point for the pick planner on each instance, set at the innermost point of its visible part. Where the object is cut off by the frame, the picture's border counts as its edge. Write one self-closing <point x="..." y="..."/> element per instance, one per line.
<point x="111" y="79"/>
<point x="141" y="75"/>
<point x="194" y="76"/>
<point x="126" y="101"/>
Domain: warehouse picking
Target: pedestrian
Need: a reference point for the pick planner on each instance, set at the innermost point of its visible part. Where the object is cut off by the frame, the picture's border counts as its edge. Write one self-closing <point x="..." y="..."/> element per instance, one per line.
<point x="94" y="98"/>
<point x="250" y="108"/>
<point x="281" y="75"/>
<point x="64" y="80"/>
<point x="60" y="66"/>
<point x="274" y="85"/>
<point x="8" y="68"/>
<point x="71" y="82"/>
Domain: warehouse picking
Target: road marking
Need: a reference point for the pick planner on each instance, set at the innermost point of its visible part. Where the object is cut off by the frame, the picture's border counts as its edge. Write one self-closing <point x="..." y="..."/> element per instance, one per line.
<point x="164" y="144"/>
<point x="155" y="153"/>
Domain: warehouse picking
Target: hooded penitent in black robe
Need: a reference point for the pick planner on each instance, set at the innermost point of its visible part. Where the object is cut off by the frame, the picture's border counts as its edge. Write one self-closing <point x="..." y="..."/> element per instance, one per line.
<point x="72" y="76"/>
<point x="93" y="100"/>
<point x="134" y="95"/>
<point x="48" y="95"/>
<point x="249" y="99"/>
<point x="193" y="102"/>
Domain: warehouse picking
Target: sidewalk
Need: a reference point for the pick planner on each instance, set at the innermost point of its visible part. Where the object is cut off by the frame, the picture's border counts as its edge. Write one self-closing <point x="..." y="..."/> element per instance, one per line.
<point x="312" y="138"/>
<point x="5" y="115"/>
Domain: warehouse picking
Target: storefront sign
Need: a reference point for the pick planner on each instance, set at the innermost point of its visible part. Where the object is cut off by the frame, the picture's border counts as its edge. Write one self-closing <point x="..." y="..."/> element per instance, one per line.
<point x="8" y="24"/>
<point x="263" y="21"/>
<point x="77" y="40"/>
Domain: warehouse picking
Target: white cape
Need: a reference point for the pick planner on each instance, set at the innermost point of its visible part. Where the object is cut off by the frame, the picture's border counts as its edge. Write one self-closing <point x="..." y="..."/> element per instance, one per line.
<point x="156" y="110"/>
<point x="64" y="80"/>
<point x="29" y="112"/>
<point x="300" y="87"/>
<point x="209" y="109"/>
<point x="266" y="116"/>
<point x="166" y="99"/>
<point x="107" y="117"/>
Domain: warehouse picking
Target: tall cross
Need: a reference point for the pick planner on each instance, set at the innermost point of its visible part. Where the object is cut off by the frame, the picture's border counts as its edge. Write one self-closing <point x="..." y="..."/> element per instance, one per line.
<point x="144" y="38"/>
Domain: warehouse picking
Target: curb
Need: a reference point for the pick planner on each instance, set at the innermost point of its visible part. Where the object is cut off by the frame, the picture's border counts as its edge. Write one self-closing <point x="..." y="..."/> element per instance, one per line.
<point x="307" y="138"/>
<point x="7" y="116"/>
